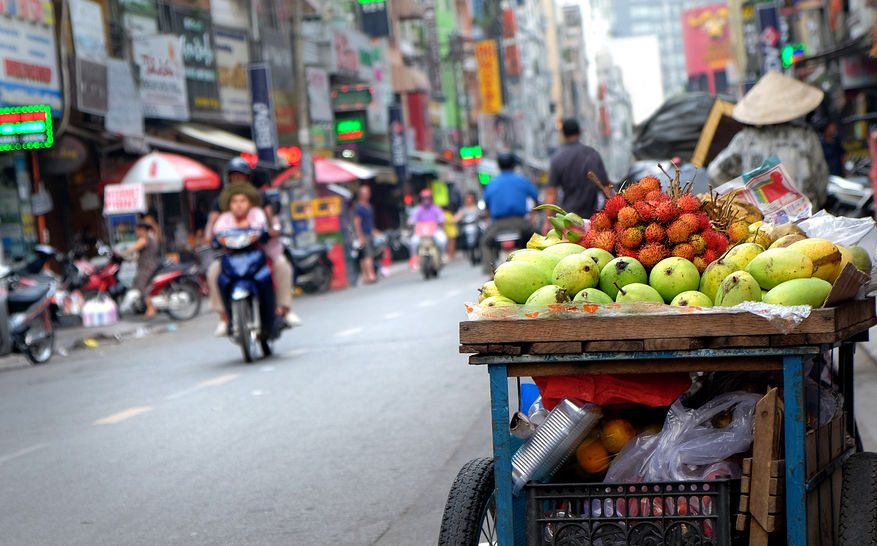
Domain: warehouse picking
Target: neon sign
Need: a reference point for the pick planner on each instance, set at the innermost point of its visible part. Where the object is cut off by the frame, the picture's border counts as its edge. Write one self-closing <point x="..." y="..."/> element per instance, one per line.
<point x="26" y="128"/>
<point x="349" y="130"/>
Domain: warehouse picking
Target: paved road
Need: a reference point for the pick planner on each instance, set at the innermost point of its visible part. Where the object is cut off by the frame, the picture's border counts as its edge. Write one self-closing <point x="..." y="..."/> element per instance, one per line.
<point x="351" y="435"/>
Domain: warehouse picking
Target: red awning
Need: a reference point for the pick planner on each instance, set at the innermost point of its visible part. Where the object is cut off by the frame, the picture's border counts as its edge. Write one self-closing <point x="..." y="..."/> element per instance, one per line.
<point x="161" y="172"/>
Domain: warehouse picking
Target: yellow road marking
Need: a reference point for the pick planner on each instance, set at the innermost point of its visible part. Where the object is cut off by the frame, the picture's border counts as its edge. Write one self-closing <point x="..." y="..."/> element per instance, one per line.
<point x="122" y="415"/>
<point x="216" y="381"/>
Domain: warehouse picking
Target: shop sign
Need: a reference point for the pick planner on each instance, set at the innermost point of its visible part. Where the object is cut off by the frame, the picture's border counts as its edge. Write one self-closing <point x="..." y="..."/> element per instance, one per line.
<point x="28" y="65"/>
<point x="346" y="55"/>
<point x="67" y="155"/>
<point x="277" y="53"/>
<point x="769" y="38"/>
<point x="858" y="72"/>
<point x="488" y="76"/>
<point x="232" y="57"/>
<point x="432" y="49"/>
<point x="318" y="94"/>
<point x="89" y="43"/>
<point x="230" y="13"/>
<point x="25" y="128"/>
<point x="124" y="110"/>
<point x="124" y="199"/>
<point x="512" y="55"/>
<point x="374" y="18"/>
<point x="199" y="60"/>
<point x="37" y="11"/>
<point x="349" y="129"/>
<point x="162" y="76"/>
<point x="398" y="148"/>
<point x="264" y="126"/>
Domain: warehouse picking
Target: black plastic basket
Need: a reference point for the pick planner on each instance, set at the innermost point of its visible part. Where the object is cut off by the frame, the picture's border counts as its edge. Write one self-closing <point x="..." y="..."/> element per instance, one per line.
<point x="600" y="514"/>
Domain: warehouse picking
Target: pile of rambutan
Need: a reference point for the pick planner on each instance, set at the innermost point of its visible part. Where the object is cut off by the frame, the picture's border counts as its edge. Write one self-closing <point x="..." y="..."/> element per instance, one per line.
<point x="643" y="222"/>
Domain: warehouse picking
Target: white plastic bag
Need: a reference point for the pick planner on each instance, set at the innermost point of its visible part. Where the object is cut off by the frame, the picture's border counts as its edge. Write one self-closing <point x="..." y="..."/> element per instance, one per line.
<point x="843" y="231"/>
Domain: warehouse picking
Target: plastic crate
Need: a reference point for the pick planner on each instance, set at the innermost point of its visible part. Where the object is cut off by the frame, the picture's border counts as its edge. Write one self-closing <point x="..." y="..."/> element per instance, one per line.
<point x="650" y="514"/>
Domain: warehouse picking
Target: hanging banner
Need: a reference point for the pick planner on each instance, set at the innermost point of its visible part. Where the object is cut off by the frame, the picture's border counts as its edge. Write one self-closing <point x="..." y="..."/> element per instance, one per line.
<point x="162" y="76"/>
<point x="264" y="125"/>
<point x="398" y="147"/>
<point x="512" y="55"/>
<point x="232" y="58"/>
<point x="373" y="14"/>
<point x="90" y="46"/>
<point x="277" y="53"/>
<point x="28" y="65"/>
<point x="199" y="60"/>
<point x="318" y="94"/>
<point x="124" y="110"/>
<point x="769" y="38"/>
<point x="433" y="57"/>
<point x="488" y="77"/>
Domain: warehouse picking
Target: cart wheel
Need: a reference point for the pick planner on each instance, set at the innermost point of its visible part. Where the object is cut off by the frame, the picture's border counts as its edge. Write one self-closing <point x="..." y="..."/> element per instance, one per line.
<point x="470" y="513"/>
<point x="858" y="500"/>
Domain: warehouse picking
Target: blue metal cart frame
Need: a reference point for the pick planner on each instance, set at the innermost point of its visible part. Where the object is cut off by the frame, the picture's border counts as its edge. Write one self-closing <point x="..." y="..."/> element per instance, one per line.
<point x="510" y="519"/>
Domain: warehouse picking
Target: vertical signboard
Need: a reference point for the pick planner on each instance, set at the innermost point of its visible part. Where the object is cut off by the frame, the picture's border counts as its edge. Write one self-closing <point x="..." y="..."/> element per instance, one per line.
<point x="318" y="94"/>
<point x="432" y="50"/>
<point x="769" y="38"/>
<point x="28" y="64"/>
<point x="90" y="46"/>
<point x="512" y="53"/>
<point x="277" y="53"/>
<point x="706" y="39"/>
<point x="264" y="125"/>
<point x="232" y="58"/>
<point x="199" y="60"/>
<point x="488" y="76"/>
<point x="398" y="148"/>
<point x="162" y="76"/>
<point x="124" y="111"/>
<point x="374" y="18"/>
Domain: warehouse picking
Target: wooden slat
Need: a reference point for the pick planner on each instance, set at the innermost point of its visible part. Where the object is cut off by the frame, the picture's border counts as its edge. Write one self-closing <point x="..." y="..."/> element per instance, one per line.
<point x="504" y="349"/>
<point x="747" y="466"/>
<point x="718" y="364"/>
<point x="612" y="346"/>
<point x="823" y="501"/>
<point x="554" y="347"/>
<point x="475" y="349"/>
<point x="742" y="522"/>
<point x="764" y="451"/>
<point x="775" y="505"/>
<point x="737" y="341"/>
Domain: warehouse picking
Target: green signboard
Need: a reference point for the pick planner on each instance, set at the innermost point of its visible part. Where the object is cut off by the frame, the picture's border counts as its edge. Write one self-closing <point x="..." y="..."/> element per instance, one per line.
<point x="26" y="128"/>
<point x="349" y="130"/>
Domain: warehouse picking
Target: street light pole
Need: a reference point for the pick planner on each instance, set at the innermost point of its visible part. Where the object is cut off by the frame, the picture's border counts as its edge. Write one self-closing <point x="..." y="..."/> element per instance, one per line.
<point x="304" y="116"/>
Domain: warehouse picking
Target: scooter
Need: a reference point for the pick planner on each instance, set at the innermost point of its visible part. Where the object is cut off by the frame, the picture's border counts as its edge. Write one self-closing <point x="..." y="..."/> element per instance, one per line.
<point x="26" y="324"/>
<point x="428" y="251"/>
<point x="174" y="289"/>
<point x="853" y="197"/>
<point x="469" y="239"/>
<point x="311" y="266"/>
<point x="247" y="291"/>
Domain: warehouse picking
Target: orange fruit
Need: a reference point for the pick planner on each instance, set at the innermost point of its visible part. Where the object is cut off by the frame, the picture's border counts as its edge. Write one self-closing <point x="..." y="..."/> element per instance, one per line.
<point x="592" y="456"/>
<point x="616" y="433"/>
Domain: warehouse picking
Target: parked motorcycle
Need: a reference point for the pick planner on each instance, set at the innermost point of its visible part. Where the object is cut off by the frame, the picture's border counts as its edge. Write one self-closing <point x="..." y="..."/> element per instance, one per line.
<point x="428" y="251"/>
<point x="311" y="266"/>
<point x="247" y="291"/>
<point x="853" y="197"/>
<point x="174" y="289"/>
<point x="26" y="324"/>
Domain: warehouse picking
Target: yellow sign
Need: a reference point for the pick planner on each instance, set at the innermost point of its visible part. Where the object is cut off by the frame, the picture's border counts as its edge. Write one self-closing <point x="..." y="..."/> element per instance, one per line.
<point x="488" y="77"/>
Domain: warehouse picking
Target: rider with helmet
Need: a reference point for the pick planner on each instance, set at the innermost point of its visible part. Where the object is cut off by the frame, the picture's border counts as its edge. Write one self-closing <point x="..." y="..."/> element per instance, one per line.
<point x="239" y="171"/>
<point x="428" y="211"/>
<point x="506" y="199"/>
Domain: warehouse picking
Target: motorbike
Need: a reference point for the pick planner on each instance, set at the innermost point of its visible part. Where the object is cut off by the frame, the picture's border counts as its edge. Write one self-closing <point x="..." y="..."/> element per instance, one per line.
<point x="174" y="289"/>
<point x="26" y="310"/>
<point x="853" y="197"/>
<point x="428" y="252"/>
<point x="469" y="239"/>
<point x="311" y="266"/>
<point x="247" y="291"/>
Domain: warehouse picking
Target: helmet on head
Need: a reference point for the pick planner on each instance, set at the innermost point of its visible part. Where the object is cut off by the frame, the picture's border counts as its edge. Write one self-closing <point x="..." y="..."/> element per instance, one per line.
<point x="239" y="165"/>
<point x="507" y="161"/>
<point x="426" y="194"/>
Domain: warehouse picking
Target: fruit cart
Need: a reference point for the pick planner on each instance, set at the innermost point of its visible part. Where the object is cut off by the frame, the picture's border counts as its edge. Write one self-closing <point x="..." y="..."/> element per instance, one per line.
<point x="481" y="501"/>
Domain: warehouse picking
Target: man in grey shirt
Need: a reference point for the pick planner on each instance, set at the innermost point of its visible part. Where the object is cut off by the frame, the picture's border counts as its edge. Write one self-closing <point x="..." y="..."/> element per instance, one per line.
<point x="569" y="171"/>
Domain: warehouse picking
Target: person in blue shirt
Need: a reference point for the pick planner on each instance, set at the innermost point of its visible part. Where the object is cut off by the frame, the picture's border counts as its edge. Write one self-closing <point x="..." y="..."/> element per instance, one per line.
<point x="506" y="199"/>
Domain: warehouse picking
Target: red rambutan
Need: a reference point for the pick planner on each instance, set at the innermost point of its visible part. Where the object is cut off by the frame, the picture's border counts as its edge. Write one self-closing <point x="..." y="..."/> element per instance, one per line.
<point x="690" y="221"/>
<point x="632" y="237"/>
<point x="622" y="251"/>
<point x="698" y="243"/>
<point x="655" y="233"/>
<point x="684" y="250"/>
<point x="700" y="264"/>
<point x="604" y="240"/>
<point x="703" y="221"/>
<point x="709" y="256"/>
<point x="645" y="210"/>
<point x="688" y="203"/>
<point x="600" y="221"/>
<point x="634" y="193"/>
<point x="651" y="254"/>
<point x="613" y="205"/>
<point x="715" y="241"/>
<point x="628" y="217"/>
<point x="656" y="196"/>
<point x="666" y="212"/>
<point x="588" y="240"/>
<point x="678" y="232"/>
<point x="650" y="183"/>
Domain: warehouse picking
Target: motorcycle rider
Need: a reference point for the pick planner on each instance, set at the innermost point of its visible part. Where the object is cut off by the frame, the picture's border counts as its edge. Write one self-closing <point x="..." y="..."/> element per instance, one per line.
<point x="428" y="211"/>
<point x="506" y="198"/>
<point x="239" y="172"/>
<point x="147" y="263"/>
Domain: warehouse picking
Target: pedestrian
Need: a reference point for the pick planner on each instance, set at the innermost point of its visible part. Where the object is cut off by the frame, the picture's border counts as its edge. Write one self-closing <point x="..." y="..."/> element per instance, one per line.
<point x="151" y="217"/>
<point x="832" y="149"/>
<point x="147" y="263"/>
<point x="506" y="199"/>
<point x="773" y="112"/>
<point x="569" y="170"/>
<point x="363" y="224"/>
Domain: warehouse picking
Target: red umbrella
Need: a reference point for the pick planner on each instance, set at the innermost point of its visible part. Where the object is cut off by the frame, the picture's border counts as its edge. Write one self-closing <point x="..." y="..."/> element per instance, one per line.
<point x="162" y="172"/>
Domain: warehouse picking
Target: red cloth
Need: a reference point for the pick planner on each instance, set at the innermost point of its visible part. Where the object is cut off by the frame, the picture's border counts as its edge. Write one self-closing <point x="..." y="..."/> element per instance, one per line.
<point x="660" y="389"/>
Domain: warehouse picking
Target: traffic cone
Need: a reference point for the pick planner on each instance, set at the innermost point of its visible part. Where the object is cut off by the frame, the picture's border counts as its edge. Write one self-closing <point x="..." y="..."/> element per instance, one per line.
<point x="387" y="259"/>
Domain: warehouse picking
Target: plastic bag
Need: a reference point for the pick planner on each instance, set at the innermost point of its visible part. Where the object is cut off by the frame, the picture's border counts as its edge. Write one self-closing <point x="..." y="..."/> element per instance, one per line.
<point x="689" y="447"/>
<point x="843" y="231"/>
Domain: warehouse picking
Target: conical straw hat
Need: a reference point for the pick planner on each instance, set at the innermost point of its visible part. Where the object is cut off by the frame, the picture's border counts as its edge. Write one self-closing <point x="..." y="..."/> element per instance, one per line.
<point x="777" y="99"/>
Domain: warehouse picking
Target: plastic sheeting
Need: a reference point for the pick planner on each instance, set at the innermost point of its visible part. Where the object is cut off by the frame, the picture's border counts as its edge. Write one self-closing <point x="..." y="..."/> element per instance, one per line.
<point x="674" y="129"/>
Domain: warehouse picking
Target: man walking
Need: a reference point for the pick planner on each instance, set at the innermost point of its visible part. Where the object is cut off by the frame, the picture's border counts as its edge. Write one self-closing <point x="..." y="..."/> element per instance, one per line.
<point x="569" y="171"/>
<point x="506" y="199"/>
<point x="363" y="223"/>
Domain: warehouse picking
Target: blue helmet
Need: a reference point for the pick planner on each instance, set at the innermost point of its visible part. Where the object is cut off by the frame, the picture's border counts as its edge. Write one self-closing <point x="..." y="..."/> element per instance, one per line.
<point x="239" y="165"/>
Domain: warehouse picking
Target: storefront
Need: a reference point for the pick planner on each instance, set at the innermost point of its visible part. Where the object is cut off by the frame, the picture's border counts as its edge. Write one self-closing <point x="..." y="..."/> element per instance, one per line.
<point x="18" y="229"/>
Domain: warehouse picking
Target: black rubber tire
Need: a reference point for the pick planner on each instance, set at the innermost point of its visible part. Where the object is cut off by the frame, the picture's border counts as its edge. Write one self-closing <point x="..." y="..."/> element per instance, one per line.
<point x="468" y="501"/>
<point x="858" y="501"/>
<point x="191" y="290"/>
<point x="42" y="353"/>
<point x="426" y="266"/>
<point x="241" y="313"/>
<point x="325" y="278"/>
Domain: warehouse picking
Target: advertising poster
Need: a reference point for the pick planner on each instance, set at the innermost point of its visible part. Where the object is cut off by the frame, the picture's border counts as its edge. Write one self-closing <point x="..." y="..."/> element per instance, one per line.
<point x="488" y="76"/>
<point x="199" y="60"/>
<point x="318" y="94"/>
<point x="398" y="147"/>
<point x="264" y="125"/>
<point x="124" y="111"/>
<point x="162" y="76"/>
<point x="90" y="46"/>
<point x="29" y="65"/>
<point x="769" y="38"/>
<point x="232" y="58"/>
<point x="706" y="38"/>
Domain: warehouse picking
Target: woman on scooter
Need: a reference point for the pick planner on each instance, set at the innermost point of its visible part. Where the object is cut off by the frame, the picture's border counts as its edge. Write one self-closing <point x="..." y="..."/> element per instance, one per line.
<point x="147" y="263"/>
<point x="243" y="205"/>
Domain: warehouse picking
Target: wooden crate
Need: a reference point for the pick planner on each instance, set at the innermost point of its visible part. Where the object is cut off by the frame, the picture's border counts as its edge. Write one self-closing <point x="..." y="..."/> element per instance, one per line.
<point x="662" y="333"/>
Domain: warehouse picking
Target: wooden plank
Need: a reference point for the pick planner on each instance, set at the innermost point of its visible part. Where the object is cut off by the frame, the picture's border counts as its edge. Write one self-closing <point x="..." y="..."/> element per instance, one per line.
<point x="742" y="522"/>
<point x="744" y="504"/>
<point x="778" y="469"/>
<point x="822" y="505"/>
<point x="788" y="340"/>
<point x="723" y="342"/>
<point x="669" y="344"/>
<point x="764" y="451"/>
<point x="554" y="347"/>
<point x="482" y="348"/>
<point x="745" y="484"/>
<point x="747" y="466"/>
<point x="617" y="345"/>
<point x="504" y="349"/>
<point x="717" y="364"/>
